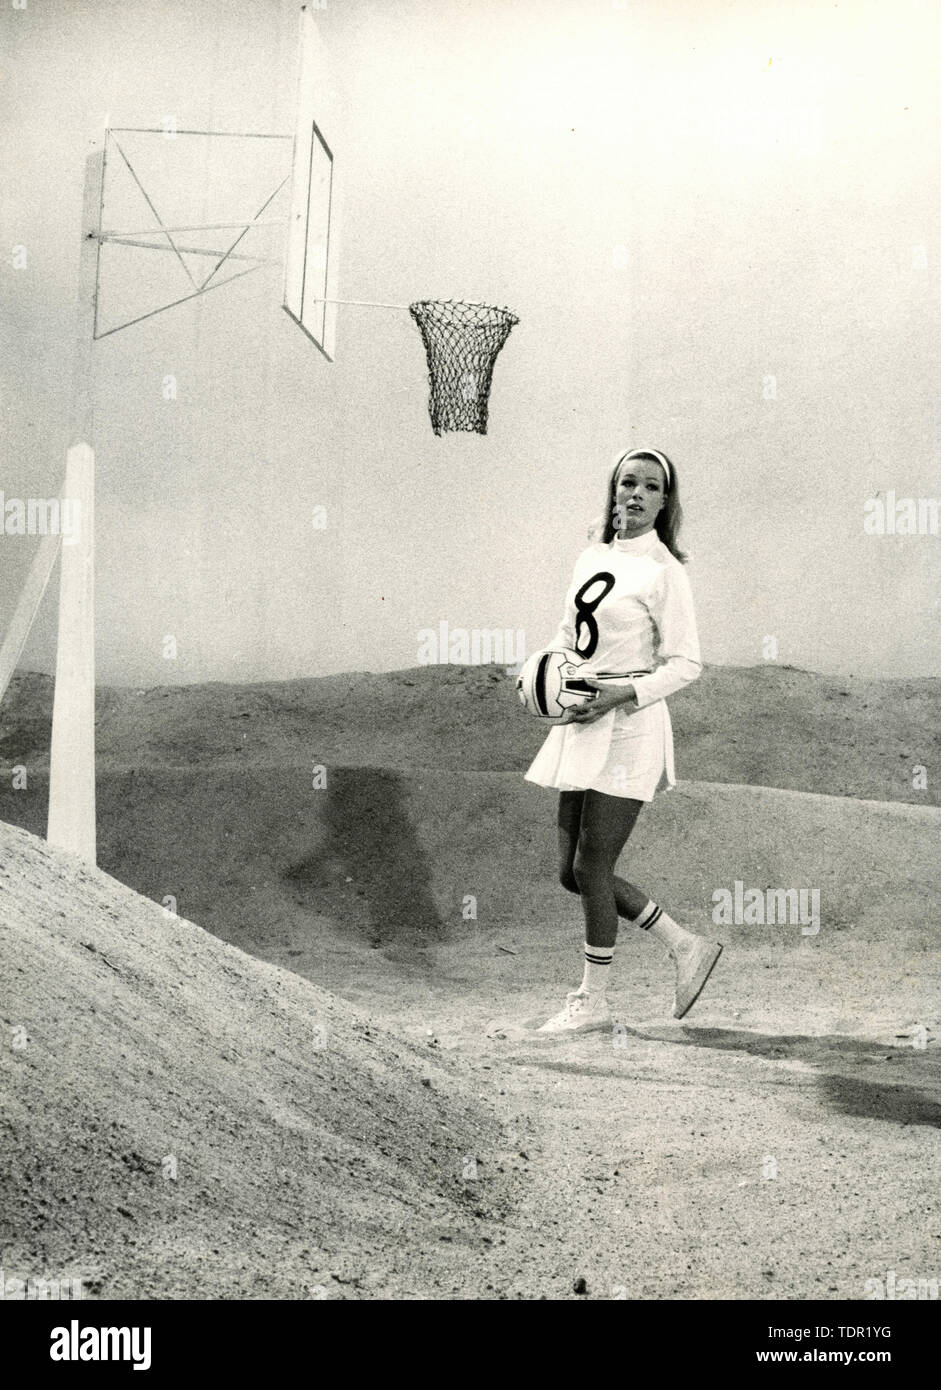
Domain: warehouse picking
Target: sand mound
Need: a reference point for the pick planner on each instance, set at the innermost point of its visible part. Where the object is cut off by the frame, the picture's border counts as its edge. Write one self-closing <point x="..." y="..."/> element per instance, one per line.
<point x="766" y="726"/>
<point x="207" y="793"/>
<point x="385" y="859"/>
<point x="304" y="1138"/>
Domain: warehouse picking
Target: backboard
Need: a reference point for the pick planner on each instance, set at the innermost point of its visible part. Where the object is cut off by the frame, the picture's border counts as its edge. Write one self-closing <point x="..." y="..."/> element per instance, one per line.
<point x="310" y="279"/>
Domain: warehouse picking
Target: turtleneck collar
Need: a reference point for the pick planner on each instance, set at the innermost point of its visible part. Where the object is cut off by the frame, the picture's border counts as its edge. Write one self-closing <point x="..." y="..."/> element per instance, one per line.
<point x="636" y="545"/>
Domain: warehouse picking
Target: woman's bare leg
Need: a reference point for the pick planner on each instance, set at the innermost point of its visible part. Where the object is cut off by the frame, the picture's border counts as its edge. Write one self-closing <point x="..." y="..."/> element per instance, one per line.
<point x="606" y="825"/>
<point x="593" y="830"/>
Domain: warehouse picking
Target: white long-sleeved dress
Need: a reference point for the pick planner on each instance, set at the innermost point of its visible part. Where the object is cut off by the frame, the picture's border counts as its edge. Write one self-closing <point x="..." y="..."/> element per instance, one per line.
<point x="628" y="609"/>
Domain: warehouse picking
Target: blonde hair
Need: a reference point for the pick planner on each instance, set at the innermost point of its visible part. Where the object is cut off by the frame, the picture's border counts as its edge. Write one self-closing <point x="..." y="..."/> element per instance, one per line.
<point x="669" y="518"/>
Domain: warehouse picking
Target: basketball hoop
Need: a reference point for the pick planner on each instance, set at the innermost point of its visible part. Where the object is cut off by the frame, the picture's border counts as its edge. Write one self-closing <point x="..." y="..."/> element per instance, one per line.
<point x="462" y="342"/>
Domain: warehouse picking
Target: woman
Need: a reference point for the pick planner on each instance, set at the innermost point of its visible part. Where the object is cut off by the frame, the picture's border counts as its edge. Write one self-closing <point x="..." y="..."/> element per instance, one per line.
<point x="629" y="615"/>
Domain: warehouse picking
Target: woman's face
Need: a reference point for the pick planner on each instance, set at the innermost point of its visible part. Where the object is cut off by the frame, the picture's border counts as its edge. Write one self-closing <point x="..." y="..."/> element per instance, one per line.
<point x="639" y="496"/>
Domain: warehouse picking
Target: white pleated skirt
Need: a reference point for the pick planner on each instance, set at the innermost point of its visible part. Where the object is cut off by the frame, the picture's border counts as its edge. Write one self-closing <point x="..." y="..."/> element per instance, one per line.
<point x="625" y="753"/>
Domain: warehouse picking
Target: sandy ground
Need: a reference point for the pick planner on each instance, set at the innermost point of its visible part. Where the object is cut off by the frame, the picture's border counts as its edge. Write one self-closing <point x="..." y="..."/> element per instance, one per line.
<point x="781" y="1142"/>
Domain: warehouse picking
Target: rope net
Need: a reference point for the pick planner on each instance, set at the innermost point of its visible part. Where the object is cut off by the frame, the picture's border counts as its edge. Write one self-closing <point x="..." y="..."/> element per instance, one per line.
<point x="461" y="344"/>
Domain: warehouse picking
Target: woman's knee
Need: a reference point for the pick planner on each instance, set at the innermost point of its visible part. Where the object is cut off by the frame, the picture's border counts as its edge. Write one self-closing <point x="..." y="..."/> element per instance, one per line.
<point x="568" y="880"/>
<point x="590" y="867"/>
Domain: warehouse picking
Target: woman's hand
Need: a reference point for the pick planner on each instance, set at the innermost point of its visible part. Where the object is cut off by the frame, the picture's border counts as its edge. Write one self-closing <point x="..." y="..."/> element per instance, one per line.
<point x="608" y="698"/>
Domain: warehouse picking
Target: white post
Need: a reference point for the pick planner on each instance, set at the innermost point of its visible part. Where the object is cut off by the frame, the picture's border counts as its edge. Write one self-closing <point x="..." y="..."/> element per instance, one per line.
<point x="71" y="824"/>
<point x="72" y="760"/>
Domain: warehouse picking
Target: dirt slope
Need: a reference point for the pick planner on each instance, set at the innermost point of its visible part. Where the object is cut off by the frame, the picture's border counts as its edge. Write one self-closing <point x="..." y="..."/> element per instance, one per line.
<point x="306" y="1139"/>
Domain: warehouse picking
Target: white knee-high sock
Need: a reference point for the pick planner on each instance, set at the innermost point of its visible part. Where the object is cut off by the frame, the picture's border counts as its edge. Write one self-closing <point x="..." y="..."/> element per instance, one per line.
<point x="663" y="927"/>
<point x="597" y="965"/>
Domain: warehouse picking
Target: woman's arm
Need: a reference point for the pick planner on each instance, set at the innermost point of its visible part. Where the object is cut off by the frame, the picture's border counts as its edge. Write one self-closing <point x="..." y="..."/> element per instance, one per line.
<point x="680" y="662"/>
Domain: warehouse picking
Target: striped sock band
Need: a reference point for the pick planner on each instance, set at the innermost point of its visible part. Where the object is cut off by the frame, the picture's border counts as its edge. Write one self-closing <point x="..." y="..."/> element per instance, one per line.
<point x="597" y="962"/>
<point x="649" y="917"/>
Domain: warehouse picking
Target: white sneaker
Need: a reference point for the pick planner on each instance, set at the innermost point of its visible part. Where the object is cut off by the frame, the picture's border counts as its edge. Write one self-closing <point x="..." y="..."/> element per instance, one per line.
<point x="695" y="962"/>
<point x="583" y="1013"/>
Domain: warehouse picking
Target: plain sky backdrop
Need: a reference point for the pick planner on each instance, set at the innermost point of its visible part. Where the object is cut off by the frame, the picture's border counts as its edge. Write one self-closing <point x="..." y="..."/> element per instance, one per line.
<point x="716" y="222"/>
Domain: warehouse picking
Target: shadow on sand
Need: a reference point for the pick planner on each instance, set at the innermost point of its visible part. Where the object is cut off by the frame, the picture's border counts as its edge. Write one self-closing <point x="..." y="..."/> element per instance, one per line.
<point x="371" y="841"/>
<point x="898" y="1103"/>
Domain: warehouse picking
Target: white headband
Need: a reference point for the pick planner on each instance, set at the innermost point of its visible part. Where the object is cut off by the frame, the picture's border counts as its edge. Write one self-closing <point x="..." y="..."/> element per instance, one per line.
<point x="635" y="453"/>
